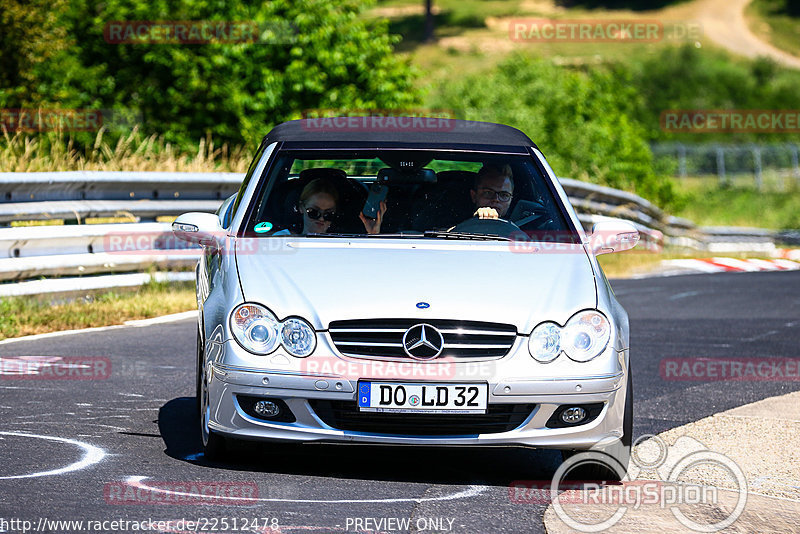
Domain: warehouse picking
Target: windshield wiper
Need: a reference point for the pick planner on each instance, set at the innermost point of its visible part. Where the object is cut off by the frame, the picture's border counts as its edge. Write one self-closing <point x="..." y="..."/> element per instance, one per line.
<point x="463" y="235"/>
<point x="334" y="234"/>
<point x="439" y="234"/>
<point x="373" y="236"/>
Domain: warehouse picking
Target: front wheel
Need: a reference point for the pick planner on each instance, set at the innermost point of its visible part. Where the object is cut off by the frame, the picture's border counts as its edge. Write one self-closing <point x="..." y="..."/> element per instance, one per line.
<point x="213" y="444"/>
<point x="607" y="462"/>
<point x="198" y="371"/>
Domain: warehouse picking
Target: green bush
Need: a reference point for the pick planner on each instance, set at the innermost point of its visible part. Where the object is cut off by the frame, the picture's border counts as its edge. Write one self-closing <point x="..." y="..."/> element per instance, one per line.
<point x="582" y="119"/>
<point x="688" y="78"/>
<point x="328" y="58"/>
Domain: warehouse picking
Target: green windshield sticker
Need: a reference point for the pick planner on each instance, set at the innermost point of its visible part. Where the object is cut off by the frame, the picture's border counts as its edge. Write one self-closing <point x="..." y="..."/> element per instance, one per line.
<point x="263" y="227"/>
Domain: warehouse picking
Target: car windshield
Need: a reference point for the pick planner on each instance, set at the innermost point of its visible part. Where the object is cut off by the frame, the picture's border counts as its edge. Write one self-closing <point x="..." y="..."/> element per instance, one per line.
<point x="406" y="193"/>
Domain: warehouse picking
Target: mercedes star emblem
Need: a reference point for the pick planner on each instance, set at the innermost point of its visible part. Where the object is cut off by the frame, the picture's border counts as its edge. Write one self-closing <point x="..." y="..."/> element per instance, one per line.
<point x="423" y="342"/>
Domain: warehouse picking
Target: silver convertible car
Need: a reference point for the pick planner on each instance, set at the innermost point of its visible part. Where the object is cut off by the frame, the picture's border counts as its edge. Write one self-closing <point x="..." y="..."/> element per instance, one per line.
<point x="408" y="282"/>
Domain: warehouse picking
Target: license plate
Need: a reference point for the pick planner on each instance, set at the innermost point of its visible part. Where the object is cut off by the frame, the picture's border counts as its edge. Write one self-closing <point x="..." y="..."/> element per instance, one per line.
<point x="416" y="397"/>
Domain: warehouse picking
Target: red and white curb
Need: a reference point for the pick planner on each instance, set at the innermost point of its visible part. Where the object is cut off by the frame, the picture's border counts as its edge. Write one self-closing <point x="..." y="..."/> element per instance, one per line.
<point x="719" y="265"/>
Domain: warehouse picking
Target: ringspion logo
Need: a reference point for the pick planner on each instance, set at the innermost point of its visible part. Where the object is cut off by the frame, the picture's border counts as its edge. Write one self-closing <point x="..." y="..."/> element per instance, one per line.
<point x="665" y="476"/>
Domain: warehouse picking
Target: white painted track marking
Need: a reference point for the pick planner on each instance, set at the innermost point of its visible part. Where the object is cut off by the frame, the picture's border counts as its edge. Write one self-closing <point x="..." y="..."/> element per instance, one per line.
<point x="91" y="455"/>
<point x="695" y="265"/>
<point x="737" y="264"/>
<point x="765" y="265"/>
<point x="719" y="264"/>
<point x="128" y="324"/>
<point x="471" y="491"/>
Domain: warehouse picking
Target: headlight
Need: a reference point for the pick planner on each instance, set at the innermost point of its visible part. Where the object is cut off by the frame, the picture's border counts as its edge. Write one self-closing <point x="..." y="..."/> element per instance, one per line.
<point x="586" y="335"/>
<point x="298" y="337"/>
<point x="545" y="342"/>
<point x="255" y="328"/>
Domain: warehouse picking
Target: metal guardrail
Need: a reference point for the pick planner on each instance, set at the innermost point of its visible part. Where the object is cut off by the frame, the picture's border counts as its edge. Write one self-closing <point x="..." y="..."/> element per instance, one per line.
<point x="675" y="231"/>
<point x="80" y="249"/>
<point x="76" y="195"/>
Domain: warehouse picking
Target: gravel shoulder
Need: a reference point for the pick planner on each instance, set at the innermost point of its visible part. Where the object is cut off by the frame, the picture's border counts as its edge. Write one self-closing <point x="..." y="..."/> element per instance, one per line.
<point x="724" y="23"/>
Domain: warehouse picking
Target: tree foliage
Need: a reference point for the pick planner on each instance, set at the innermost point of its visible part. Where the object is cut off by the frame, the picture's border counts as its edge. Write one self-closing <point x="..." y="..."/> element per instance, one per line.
<point x="687" y="78"/>
<point x="30" y="37"/>
<point x="329" y="58"/>
<point x="582" y="119"/>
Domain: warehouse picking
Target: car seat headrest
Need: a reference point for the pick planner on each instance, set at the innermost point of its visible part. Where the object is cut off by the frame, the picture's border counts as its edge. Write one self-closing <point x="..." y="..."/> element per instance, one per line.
<point x="307" y="175"/>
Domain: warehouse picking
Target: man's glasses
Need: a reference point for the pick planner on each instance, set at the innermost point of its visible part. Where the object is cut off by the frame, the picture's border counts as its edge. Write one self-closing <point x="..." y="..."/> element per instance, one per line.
<point x="315" y="214"/>
<point x="491" y="194"/>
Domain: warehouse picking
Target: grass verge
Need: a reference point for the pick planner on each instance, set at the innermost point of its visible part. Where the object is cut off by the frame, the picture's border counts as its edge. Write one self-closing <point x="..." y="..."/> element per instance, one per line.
<point x="22" y="316"/>
<point x="708" y="204"/>
<point x="53" y="151"/>
<point x="639" y="262"/>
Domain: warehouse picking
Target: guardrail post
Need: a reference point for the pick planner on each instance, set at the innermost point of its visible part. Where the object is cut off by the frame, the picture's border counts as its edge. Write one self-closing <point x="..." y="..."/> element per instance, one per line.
<point x="721" y="165"/>
<point x="795" y="165"/>
<point x="757" y="167"/>
<point x="682" y="160"/>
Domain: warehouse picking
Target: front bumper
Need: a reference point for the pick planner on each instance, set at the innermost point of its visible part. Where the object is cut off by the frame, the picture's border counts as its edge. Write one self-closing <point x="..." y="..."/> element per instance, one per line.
<point x="302" y="389"/>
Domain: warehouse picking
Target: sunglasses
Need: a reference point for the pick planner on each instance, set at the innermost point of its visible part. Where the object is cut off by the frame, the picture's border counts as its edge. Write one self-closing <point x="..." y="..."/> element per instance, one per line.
<point x="315" y="214"/>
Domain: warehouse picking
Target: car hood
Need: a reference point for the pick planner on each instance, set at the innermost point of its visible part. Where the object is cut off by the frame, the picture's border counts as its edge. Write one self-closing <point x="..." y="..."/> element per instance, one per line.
<point x="324" y="280"/>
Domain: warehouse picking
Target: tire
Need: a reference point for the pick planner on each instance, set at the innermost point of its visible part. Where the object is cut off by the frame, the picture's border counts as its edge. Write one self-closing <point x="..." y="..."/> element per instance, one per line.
<point x="214" y="445"/>
<point x="215" y="448"/>
<point x="615" y="456"/>
<point x="198" y="369"/>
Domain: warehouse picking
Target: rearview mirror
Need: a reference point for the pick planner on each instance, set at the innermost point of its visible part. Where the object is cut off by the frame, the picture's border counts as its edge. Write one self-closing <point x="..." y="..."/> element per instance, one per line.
<point x="201" y="228"/>
<point x="613" y="235"/>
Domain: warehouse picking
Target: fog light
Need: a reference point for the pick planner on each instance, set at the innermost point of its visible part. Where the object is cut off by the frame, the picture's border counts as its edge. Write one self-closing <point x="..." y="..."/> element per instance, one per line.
<point x="266" y="408"/>
<point x="573" y="415"/>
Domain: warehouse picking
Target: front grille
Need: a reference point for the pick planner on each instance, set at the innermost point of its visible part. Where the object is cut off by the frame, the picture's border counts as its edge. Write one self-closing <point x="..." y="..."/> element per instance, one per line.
<point x="383" y="338"/>
<point x="345" y="415"/>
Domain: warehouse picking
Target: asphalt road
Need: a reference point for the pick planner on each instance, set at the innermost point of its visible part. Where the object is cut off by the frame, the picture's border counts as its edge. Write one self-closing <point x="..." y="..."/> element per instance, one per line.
<point x="140" y="419"/>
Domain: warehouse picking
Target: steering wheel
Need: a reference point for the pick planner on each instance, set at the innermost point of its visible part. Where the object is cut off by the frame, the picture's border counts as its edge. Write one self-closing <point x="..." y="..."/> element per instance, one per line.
<point x="498" y="227"/>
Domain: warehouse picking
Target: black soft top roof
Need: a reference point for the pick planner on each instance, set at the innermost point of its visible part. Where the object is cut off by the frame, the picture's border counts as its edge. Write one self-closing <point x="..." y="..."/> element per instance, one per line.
<point x="398" y="131"/>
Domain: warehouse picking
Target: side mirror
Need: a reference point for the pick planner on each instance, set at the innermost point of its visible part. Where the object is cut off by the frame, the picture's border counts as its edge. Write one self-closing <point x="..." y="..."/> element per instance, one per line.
<point x="201" y="228"/>
<point x="613" y="236"/>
